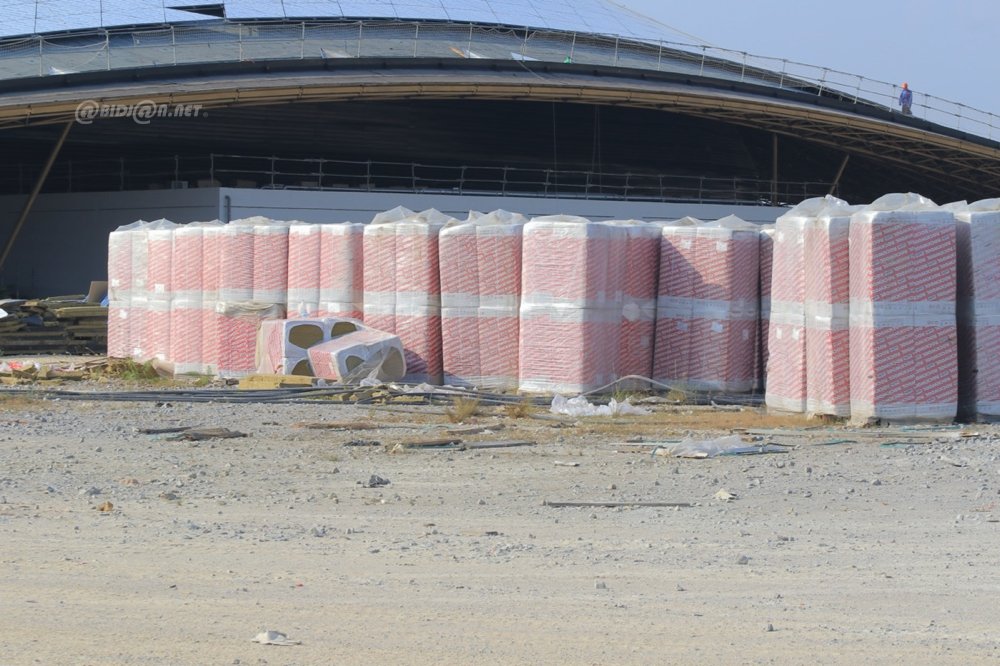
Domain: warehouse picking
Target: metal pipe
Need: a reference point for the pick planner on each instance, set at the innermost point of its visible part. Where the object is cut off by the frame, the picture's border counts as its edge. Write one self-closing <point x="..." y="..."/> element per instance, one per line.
<point x="34" y="193"/>
<point x="840" y="172"/>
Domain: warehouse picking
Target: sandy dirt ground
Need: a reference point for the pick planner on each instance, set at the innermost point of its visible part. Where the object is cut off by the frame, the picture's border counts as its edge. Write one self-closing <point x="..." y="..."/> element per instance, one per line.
<point x="866" y="550"/>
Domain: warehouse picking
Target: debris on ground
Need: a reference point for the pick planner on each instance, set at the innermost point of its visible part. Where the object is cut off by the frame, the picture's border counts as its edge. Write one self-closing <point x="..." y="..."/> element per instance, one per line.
<point x="375" y="481"/>
<point x="271" y="637"/>
<point x="580" y="406"/>
<point x="201" y="434"/>
<point x="730" y="445"/>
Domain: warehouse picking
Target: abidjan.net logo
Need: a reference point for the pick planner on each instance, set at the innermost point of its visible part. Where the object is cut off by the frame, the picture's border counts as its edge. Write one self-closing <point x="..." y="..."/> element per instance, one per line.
<point x="141" y="112"/>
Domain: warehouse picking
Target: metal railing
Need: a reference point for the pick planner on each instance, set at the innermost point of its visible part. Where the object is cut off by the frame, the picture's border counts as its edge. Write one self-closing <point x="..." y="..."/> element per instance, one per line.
<point x="278" y="173"/>
<point x="229" y="41"/>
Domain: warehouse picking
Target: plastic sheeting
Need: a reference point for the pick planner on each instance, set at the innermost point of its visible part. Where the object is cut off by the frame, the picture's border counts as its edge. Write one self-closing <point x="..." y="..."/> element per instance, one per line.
<point x="827" y="302"/>
<point x="707" y="306"/>
<point x="402" y="292"/>
<point x="978" y="309"/>
<point x="480" y="263"/>
<point x="572" y="279"/>
<point x="903" y="346"/>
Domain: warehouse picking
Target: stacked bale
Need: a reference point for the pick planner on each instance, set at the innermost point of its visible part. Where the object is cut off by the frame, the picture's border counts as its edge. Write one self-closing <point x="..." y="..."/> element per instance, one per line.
<point x="187" y="307"/>
<point x="572" y="290"/>
<point x="638" y="323"/>
<point x="786" y="340"/>
<point x="480" y="299"/>
<point x="827" y="302"/>
<point x="902" y="314"/>
<point x="303" y="269"/>
<point x="978" y="309"/>
<point x="707" y="308"/>
<point x="341" y="270"/>
<point x="122" y="289"/>
<point x="158" y="293"/>
<point x="402" y="292"/>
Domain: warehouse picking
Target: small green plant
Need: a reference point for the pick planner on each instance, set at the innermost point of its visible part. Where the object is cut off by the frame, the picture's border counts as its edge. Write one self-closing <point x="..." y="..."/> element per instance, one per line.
<point x="462" y="409"/>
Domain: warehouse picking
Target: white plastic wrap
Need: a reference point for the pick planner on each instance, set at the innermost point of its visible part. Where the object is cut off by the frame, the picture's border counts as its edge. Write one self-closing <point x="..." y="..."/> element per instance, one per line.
<point x="363" y="354"/>
<point x="902" y="311"/>
<point x="480" y="299"/>
<point x="341" y="277"/>
<point x="572" y="295"/>
<point x="707" y="306"/>
<point x="979" y="309"/>
<point x="827" y="302"/>
<point x="402" y="292"/>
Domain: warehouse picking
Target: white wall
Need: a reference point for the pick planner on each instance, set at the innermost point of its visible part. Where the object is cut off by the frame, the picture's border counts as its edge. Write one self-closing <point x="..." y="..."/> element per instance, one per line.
<point x="63" y="245"/>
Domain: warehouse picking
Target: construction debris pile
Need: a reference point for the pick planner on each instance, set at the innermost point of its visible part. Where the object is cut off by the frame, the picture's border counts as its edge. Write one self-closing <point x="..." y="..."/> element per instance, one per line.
<point x="847" y="311"/>
<point x="56" y="325"/>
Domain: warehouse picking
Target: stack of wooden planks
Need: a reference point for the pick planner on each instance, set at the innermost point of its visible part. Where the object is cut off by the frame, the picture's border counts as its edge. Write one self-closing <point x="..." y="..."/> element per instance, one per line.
<point x="55" y="325"/>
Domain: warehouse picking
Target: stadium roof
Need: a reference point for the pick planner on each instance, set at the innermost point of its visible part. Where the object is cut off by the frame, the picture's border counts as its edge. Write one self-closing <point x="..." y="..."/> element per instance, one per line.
<point x="31" y="17"/>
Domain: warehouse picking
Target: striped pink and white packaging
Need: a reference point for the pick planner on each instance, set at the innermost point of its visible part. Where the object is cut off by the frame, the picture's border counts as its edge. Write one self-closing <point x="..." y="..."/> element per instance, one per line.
<point x="827" y="308"/>
<point x="766" y="266"/>
<point x="152" y="253"/>
<point x="341" y="275"/>
<point x="270" y="262"/>
<point x="121" y="290"/>
<point x="903" y="345"/>
<point x="978" y="308"/>
<point x="186" y="320"/>
<point x="238" y="325"/>
<point x="212" y="242"/>
<point x="480" y="263"/>
<point x="160" y="252"/>
<point x="642" y="263"/>
<point x="707" y="306"/>
<point x="303" y="269"/>
<point x="786" y="340"/>
<point x="572" y="293"/>
<point x="236" y="263"/>
<point x="402" y="292"/>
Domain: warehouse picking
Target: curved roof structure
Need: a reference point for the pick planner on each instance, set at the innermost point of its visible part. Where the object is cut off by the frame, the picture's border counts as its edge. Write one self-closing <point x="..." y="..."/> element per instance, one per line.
<point x="58" y="54"/>
<point x="36" y="17"/>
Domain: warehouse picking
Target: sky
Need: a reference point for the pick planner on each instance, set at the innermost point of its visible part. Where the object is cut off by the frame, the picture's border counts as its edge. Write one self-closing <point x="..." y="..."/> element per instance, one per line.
<point x="943" y="48"/>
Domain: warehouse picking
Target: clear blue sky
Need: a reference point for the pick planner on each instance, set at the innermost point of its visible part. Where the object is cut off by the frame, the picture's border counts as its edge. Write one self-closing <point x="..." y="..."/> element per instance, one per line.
<point x="940" y="47"/>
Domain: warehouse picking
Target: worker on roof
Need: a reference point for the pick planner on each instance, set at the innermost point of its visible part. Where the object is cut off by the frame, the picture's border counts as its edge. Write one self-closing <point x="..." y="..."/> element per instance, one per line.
<point x="906" y="100"/>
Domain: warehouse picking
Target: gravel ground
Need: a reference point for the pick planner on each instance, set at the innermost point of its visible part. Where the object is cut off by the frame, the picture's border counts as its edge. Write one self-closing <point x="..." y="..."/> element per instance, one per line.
<point x="866" y="550"/>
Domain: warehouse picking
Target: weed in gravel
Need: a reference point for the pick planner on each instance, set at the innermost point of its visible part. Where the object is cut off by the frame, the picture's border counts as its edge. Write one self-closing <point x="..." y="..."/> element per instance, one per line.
<point x="520" y="410"/>
<point x="462" y="409"/>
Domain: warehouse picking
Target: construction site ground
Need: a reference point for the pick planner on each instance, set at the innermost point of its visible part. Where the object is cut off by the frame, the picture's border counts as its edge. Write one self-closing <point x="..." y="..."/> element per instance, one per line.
<point x="349" y="530"/>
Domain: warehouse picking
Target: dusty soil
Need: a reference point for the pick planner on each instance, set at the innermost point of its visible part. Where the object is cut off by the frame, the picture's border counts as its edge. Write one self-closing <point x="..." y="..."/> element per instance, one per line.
<point x="829" y="553"/>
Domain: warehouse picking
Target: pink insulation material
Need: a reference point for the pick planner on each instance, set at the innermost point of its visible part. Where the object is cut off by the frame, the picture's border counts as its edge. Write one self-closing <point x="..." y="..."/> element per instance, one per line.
<point x="212" y="242"/>
<point x="270" y="262"/>
<point x="341" y="276"/>
<point x="707" y="306"/>
<point x="236" y="263"/>
<point x="827" y="302"/>
<point x="402" y="292"/>
<point x="572" y="294"/>
<point x="903" y="346"/>
<point x="303" y="269"/>
<point x="642" y="263"/>
<point x="121" y="290"/>
<point x="786" y="340"/>
<point x="150" y="328"/>
<point x="480" y="300"/>
<point x="978" y="229"/>
<point x="186" y="308"/>
<point x="237" y="326"/>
